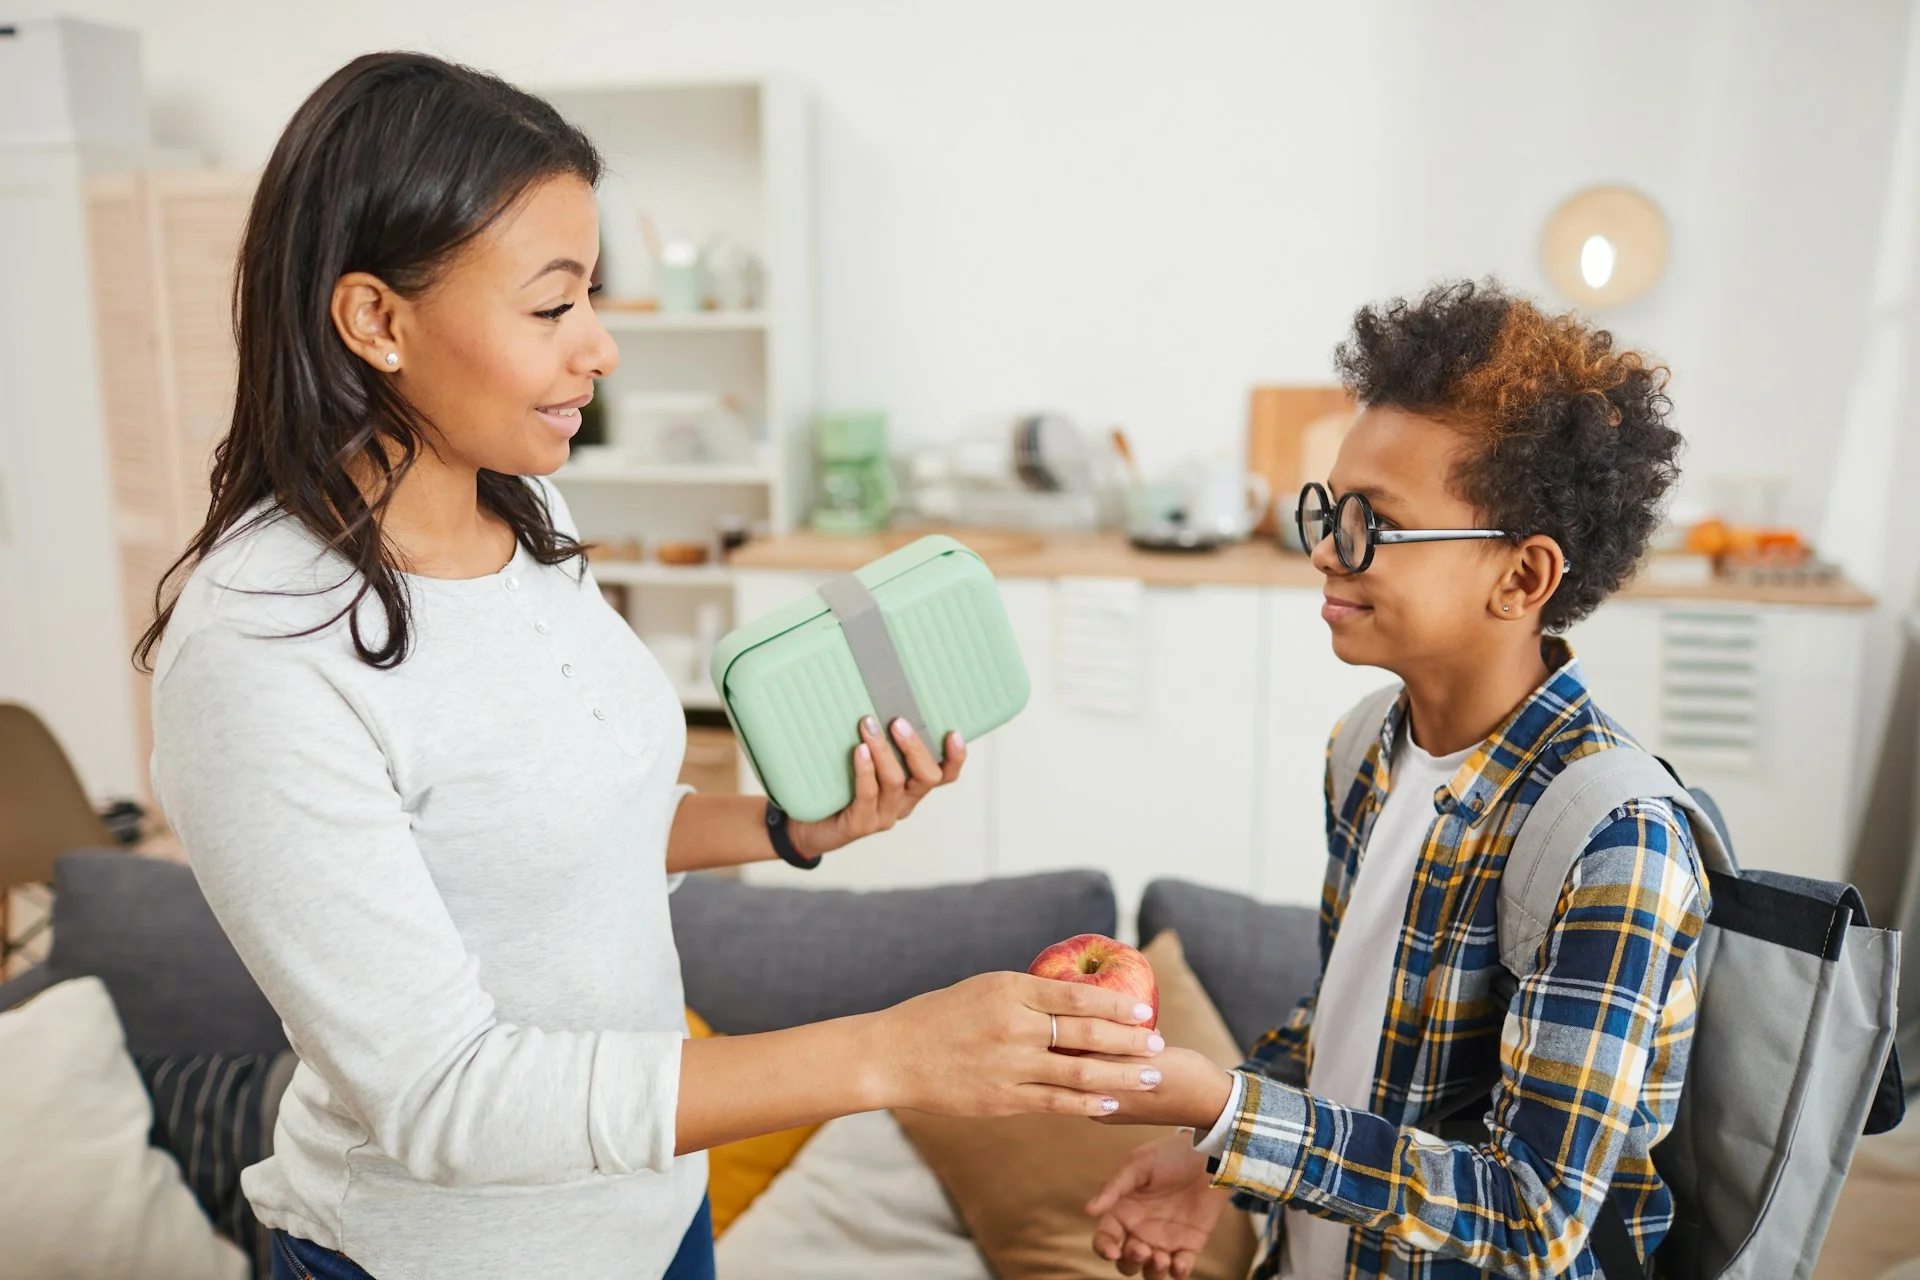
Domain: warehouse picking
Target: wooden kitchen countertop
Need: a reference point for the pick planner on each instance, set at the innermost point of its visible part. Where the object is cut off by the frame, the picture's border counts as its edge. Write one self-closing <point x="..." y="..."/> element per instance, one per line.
<point x="1260" y="563"/>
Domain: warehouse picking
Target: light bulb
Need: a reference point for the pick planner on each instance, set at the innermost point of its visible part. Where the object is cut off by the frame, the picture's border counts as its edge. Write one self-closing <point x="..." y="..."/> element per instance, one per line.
<point x="1596" y="261"/>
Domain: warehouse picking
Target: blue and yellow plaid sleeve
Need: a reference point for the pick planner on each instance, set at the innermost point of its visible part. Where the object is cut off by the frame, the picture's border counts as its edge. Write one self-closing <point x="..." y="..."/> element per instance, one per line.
<point x="1281" y="1054"/>
<point x="1608" y="1005"/>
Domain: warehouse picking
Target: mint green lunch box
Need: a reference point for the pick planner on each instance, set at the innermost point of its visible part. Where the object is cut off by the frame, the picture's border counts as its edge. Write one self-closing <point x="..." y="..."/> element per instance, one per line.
<point x="919" y="633"/>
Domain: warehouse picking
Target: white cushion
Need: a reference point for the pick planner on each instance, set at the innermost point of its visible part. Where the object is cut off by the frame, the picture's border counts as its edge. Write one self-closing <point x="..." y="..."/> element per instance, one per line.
<point x="82" y="1195"/>
<point x="857" y="1203"/>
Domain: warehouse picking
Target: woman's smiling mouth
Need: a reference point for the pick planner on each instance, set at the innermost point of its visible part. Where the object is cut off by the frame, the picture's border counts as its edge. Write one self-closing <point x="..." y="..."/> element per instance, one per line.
<point x="565" y="416"/>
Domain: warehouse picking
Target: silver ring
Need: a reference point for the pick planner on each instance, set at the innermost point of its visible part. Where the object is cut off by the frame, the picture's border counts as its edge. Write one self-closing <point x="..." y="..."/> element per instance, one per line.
<point x="1054" y="1039"/>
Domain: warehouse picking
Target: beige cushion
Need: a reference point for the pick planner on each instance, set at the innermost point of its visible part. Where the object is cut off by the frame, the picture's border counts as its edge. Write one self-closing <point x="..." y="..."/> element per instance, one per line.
<point x="1022" y="1182"/>
<point x="84" y="1195"/>
<point x="857" y="1203"/>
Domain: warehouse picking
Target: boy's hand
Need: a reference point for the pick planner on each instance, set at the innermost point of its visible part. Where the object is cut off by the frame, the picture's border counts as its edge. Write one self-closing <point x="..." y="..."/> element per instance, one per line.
<point x="1157" y="1211"/>
<point x="1192" y="1092"/>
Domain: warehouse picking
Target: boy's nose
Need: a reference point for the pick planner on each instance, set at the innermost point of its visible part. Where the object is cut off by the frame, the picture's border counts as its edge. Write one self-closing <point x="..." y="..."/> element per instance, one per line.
<point x="1325" y="558"/>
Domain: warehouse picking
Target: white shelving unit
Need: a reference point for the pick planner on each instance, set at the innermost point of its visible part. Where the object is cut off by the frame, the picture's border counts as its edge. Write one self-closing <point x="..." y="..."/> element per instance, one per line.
<point x="730" y="159"/>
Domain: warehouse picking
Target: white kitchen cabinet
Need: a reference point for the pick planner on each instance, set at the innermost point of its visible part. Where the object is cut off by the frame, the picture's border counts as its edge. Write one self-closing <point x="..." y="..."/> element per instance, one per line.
<point x="1162" y="788"/>
<point x="1787" y="799"/>
<point x="1754" y="704"/>
<point x="1619" y="650"/>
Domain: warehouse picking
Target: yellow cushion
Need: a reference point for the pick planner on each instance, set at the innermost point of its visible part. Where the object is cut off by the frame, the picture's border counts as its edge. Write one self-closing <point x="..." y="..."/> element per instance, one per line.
<point x="738" y="1172"/>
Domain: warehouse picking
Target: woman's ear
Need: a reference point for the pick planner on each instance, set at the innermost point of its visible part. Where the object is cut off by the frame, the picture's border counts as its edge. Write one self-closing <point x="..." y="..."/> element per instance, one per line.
<point x="1533" y="575"/>
<point x="364" y="311"/>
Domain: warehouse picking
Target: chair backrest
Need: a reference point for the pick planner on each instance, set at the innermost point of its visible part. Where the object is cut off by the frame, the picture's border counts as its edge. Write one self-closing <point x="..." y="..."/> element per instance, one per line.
<point x="44" y="811"/>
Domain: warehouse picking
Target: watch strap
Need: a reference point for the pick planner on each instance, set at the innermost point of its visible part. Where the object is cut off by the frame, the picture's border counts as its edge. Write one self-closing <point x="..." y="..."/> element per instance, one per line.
<point x="782" y="840"/>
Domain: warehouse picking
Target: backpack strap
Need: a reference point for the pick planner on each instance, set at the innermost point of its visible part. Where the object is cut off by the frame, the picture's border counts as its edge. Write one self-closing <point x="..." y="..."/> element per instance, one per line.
<point x="1556" y="831"/>
<point x="1359" y="730"/>
<point x="1551" y="840"/>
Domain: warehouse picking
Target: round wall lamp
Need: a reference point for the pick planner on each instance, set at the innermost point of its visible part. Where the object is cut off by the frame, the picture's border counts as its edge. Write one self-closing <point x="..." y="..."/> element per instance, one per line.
<point x="1605" y="246"/>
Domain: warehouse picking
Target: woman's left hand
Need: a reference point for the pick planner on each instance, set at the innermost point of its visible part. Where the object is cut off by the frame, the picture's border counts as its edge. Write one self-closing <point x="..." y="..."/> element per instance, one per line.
<point x="883" y="790"/>
<point x="1192" y="1092"/>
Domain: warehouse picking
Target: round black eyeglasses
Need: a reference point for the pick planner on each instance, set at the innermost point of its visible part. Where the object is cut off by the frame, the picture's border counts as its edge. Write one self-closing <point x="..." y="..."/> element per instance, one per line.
<point x="1356" y="530"/>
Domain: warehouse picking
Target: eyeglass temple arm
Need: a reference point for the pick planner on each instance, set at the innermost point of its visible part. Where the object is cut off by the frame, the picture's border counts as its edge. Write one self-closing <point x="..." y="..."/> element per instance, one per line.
<point x="1386" y="536"/>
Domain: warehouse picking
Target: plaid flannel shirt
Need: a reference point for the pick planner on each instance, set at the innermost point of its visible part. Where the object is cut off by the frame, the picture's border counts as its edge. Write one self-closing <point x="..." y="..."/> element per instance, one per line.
<point x="1585" y="1051"/>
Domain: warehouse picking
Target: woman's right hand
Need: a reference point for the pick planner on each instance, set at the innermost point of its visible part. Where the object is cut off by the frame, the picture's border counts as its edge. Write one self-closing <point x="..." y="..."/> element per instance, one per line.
<point x="982" y="1048"/>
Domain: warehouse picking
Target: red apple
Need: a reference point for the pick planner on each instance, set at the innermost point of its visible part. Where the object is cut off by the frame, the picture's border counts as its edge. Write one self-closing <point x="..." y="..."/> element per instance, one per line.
<point x="1096" y="958"/>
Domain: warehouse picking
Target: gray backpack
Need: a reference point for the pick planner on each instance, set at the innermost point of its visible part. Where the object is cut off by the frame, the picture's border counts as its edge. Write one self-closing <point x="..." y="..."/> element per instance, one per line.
<point x="1792" y="1057"/>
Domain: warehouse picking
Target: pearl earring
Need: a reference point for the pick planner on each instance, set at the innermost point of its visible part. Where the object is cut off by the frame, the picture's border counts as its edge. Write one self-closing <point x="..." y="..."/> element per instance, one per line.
<point x="393" y="359"/>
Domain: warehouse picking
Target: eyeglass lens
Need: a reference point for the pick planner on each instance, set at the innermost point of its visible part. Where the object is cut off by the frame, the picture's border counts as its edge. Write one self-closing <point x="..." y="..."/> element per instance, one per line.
<point x="1313" y="517"/>
<point x="1350" y="530"/>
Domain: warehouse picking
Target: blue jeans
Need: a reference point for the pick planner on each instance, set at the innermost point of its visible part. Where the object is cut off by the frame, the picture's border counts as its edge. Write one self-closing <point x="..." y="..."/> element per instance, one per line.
<point x="297" y="1259"/>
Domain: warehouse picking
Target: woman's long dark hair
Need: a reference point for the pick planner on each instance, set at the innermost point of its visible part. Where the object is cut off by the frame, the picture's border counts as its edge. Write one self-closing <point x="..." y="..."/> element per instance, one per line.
<point x="391" y="167"/>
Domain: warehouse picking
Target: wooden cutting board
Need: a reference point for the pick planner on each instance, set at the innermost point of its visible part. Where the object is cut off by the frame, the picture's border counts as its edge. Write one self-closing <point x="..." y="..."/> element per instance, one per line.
<point x="1278" y="423"/>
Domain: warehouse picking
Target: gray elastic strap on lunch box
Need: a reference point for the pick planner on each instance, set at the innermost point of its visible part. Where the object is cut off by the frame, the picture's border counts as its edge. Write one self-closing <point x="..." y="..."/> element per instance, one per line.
<point x="876" y="656"/>
<point x="1791" y="1058"/>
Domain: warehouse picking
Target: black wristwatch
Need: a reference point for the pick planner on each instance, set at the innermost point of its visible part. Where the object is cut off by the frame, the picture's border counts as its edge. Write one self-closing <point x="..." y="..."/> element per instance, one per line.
<point x="783" y="843"/>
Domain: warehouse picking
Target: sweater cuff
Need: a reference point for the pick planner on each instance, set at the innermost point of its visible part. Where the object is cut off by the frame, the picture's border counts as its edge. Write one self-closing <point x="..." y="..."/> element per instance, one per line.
<point x="633" y="1103"/>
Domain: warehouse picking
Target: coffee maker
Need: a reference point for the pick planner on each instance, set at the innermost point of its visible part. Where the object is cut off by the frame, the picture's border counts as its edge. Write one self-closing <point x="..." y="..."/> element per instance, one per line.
<point x="856" y="482"/>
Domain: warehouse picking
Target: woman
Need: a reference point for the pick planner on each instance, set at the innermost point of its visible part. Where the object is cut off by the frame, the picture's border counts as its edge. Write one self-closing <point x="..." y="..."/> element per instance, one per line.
<point x="427" y="777"/>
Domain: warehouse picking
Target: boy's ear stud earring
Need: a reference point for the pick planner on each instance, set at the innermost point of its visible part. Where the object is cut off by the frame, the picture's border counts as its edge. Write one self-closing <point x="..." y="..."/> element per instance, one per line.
<point x="1506" y="608"/>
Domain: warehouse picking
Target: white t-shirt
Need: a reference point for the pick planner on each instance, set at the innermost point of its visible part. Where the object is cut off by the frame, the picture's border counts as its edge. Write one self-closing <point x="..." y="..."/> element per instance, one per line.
<point x="1352" y="1009"/>
<point x="449" y="877"/>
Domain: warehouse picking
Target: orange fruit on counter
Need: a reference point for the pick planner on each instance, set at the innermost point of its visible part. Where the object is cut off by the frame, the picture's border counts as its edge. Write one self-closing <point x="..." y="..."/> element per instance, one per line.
<point x="1709" y="538"/>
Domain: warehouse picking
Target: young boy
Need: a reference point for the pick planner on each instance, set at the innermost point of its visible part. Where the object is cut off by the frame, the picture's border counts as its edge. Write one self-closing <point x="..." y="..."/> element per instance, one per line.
<point x="1543" y="455"/>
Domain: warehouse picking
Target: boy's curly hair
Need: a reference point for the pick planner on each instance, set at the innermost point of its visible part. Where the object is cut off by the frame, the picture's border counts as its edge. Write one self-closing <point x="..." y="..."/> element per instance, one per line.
<point x="1571" y="435"/>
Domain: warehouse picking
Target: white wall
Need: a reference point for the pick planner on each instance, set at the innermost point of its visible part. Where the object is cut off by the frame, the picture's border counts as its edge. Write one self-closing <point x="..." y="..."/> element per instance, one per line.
<point x="1873" y="513"/>
<point x="63" y="635"/>
<point x="1763" y="128"/>
<point x="1135" y="210"/>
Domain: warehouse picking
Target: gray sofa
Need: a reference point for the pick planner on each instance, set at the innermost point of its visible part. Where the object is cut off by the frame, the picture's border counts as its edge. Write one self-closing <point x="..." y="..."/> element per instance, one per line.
<point x="753" y="958"/>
